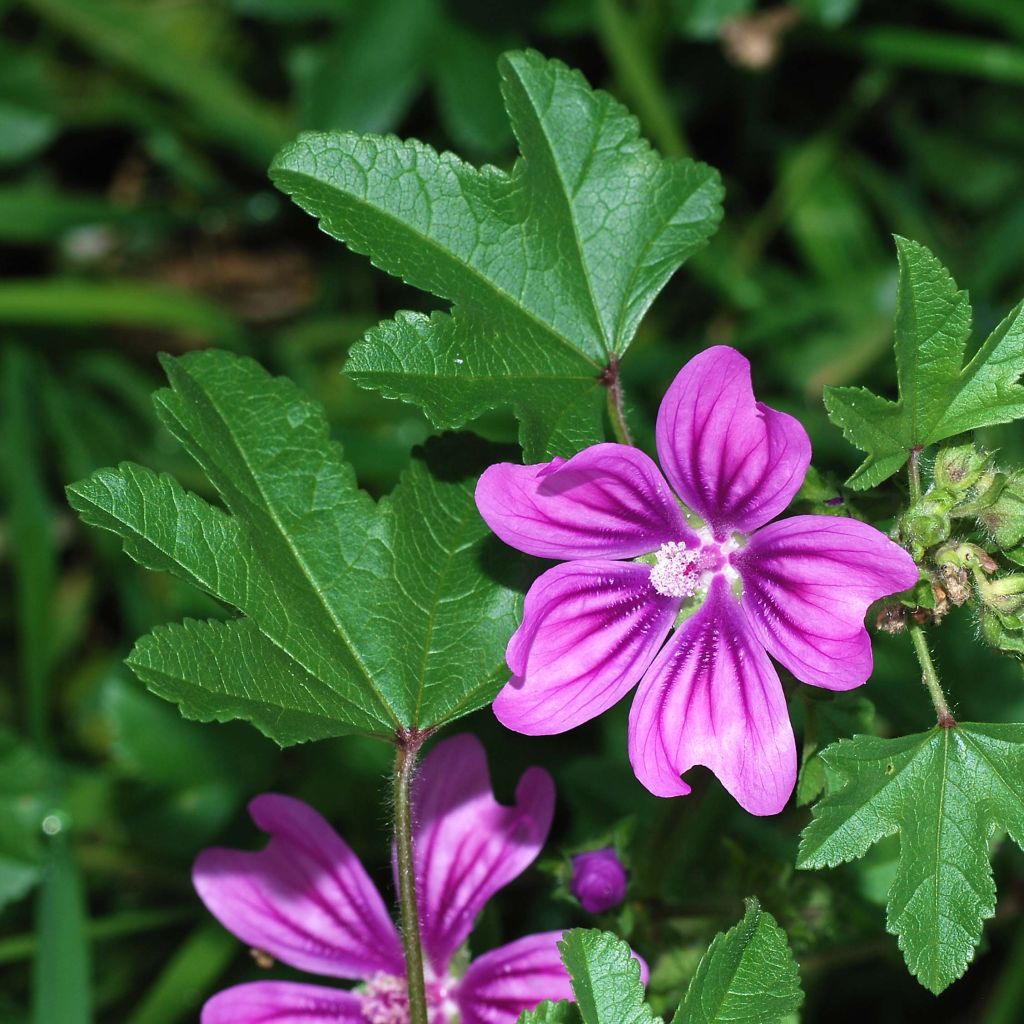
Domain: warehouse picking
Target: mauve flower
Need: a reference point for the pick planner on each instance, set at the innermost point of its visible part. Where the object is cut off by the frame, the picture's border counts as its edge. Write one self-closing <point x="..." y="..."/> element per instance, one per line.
<point x="598" y="880"/>
<point x="307" y="901"/>
<point x="596" y="625"/>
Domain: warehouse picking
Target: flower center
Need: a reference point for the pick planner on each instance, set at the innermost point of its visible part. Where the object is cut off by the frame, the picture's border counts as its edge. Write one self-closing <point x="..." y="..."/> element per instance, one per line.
<point x="679" y="571"/>
<point x="385" y="1000"/>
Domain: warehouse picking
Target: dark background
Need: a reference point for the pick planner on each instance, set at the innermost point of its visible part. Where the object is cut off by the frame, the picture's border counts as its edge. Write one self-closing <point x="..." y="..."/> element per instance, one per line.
<point x="136" y="217"/>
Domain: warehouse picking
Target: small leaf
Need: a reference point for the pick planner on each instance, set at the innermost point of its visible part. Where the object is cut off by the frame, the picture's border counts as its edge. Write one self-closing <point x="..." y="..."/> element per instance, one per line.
<point x="356" y="616"/>
<point x="550" y="1013"/>
<point x="605" y="978"/>
<point x="747" y="976"/>
<point x="943" y="792"/>
<point x="939" y="397"/>
<point x="549" y="268"/>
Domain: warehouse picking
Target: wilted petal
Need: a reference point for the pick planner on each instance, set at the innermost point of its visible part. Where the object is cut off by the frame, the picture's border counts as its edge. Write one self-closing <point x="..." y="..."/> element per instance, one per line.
<point x="467" y="845"/>
<point x="734" y="461"/>
<point x="807" y="582"/>
<point x="713" y="698"/>
<point x="304" y="898"/>
<point x="589" y="631"/>
<point x="503" y="983"/>
<point x="609" y="501"/>
<point x="282" y="1002"/>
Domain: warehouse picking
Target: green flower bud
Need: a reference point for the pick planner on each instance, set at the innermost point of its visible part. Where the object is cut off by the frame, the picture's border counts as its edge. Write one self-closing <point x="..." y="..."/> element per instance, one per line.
<point x="1003" y="519"/>
<point x="1001" y="632"/>
<point x="959" y="467"/>
<point x="1004" y="595"/>
<point x="926" y="523"/>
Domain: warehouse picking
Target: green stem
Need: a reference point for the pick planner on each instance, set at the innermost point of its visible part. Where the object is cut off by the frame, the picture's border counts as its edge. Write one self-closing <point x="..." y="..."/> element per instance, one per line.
<point x="616" y="403"/>
<point x="930" y="677"/>
<point x="914" y="474"/>
<point x="405" y="764"/>
<point x="630" y="58"/>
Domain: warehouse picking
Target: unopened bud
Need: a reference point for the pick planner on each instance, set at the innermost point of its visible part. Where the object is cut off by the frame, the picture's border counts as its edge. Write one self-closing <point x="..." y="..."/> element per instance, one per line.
<point x="1004" y="595"/>
<point x="926" y="523"/>
<point x="598" y="880"/>
<point x="1003" y="519"/>
<point x="1002" y="632"/>
<point x="960" y="467"/>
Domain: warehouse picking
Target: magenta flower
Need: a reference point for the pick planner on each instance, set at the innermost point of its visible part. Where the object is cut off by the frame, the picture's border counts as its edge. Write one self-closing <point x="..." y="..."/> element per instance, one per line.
<point x="307" y="901"/>
<point x="596" y="625"/>
<point x="598" y="880"/>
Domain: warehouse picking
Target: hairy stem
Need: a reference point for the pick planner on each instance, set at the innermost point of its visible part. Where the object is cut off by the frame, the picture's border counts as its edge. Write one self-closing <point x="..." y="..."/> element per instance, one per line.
<point x="914" y="474"/>
<point x="930" y="677"/>
<point x="405" y="763"/>
<point x="616" y="407"/>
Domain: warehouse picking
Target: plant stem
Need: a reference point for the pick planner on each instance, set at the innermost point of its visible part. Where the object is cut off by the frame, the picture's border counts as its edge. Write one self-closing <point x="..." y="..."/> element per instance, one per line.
<point x="631" y="59"/>
<point x="930" y="677"/>
<point x="405" y="762"/>
<point x="914" y="473"/>
<point x="616" y="409"/>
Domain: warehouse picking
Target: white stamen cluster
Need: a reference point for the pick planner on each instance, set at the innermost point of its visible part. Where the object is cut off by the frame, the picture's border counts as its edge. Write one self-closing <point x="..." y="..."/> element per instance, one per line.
<point x="678" y="570"/>
<point x="385" y="1000"/>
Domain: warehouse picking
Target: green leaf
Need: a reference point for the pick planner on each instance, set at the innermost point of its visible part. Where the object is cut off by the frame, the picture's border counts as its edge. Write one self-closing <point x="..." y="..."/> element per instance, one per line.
<point x="938" y="395"/>
<point x="605" y="978"/>
<point x="549" y="268"/>
<point x="944" y="792"/>
<point x="747" y="976"/>
<point x="31" y="521"/>
<point x="550" y="1013"/>
<point x="24" y="779"/>
<point x="175" y="994"/>
<point x="826" y="718"/>
<point x="134" y="37"/>
<point x="57" y="302"/>
<point x="365" y="77"/>
<point x="356" y="616"/>
<point x="61" y="989"/>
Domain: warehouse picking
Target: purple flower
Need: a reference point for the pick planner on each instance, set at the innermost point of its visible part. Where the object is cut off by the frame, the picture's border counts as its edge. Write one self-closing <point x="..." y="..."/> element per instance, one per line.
<point x="596" y="625"/>
<point x="307" y="901"/>
<point x="598" y="880"/>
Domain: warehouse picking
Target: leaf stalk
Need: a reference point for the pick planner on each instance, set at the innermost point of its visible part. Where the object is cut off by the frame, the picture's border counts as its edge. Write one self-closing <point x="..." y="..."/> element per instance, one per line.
<point x="616" y="402"/>
<point x="930" y="678"/>
<point x="409" y="743"/>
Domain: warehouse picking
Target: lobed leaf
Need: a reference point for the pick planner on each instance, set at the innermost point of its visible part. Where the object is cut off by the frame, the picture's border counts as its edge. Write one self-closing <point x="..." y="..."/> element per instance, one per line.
<point x="549" y="268"/>
<point x="938" y="395"/>
<point x="356" y="616"/>
<point x="943" y="792"/>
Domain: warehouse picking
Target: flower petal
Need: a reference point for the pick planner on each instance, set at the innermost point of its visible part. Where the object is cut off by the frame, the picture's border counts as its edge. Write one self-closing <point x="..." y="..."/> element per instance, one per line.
<point x="503" y="983"/>
<point x="713" y="698"/>
<point x="304" y="898"/>
<point x="589" y="631"/>
<point x="467" y="845"/>
<point x="734" y="461"/>
<point x="609" y="501"/>
<point x="807" y="582"/>
<point x="283" y="1002"/>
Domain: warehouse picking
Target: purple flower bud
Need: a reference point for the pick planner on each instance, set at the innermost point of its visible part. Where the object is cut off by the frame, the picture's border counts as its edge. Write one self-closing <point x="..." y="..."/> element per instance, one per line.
<point x="598" y="880"/>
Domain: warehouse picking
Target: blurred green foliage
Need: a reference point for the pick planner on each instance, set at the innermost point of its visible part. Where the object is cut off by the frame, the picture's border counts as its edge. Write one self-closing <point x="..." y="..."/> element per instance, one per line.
<point x="136" y="217"/>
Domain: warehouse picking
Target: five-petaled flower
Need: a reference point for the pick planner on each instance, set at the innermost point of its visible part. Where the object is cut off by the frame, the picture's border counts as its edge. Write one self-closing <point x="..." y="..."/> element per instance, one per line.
<point x="306" y="900"/>
<point x="633" y="567"/>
